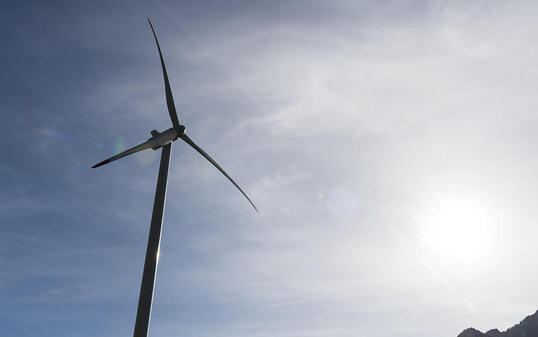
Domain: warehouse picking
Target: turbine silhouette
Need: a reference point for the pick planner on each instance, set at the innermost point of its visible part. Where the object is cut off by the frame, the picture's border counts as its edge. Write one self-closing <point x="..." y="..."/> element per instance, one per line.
<point x="159" y="140"/>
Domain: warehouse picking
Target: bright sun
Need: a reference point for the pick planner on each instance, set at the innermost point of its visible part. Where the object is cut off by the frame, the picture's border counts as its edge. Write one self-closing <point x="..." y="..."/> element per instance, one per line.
<point x="458" y="229"/>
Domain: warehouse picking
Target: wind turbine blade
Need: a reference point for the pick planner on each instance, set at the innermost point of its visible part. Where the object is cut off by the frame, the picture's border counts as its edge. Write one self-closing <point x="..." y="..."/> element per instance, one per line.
<point x="132" y="150"/>
<point x="206" y="156"/>
<point x="167" y="90"/>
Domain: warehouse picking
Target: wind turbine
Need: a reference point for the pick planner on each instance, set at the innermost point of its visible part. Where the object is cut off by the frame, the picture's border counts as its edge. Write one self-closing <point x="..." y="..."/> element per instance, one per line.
<point x="159" y="140"/>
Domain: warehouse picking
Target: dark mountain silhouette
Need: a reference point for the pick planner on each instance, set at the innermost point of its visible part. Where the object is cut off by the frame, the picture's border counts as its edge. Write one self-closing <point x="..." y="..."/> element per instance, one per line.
<point x="526" y="328"/>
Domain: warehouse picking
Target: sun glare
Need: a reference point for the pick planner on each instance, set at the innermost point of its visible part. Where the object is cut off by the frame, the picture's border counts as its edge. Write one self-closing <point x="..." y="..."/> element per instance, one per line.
<point x="458" y="229"/>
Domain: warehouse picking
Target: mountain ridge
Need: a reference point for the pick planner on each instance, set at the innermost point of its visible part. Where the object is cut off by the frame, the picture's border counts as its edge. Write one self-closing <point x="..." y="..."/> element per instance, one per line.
<point x="528" y="327"/>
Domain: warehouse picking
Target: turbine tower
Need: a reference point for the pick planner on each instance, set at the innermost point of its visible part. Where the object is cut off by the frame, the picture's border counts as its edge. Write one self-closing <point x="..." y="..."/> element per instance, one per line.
<point x="159" y="140"/>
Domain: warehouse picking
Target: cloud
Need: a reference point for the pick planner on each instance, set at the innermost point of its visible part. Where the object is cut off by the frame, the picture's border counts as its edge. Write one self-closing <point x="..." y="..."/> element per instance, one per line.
<point x="310" y="106"/>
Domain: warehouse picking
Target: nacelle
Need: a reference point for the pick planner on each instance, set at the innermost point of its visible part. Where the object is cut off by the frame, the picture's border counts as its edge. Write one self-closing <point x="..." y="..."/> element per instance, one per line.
<point x="160" y="139"/>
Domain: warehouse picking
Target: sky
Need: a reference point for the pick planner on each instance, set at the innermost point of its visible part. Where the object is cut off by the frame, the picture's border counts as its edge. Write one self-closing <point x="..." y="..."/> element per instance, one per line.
<point x="390" y="147"/>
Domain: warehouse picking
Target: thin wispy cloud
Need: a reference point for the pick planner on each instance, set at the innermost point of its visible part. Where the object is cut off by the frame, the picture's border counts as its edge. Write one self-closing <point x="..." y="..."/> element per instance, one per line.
<point x="344" y="121"/>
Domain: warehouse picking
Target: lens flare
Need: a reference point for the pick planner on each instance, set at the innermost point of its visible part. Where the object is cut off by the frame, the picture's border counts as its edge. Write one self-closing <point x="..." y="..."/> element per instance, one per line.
<point x="146" y="157"/>
<point x="54" y="134"/>
<point x="119" y="145"/>
<point x="343" y="203"/>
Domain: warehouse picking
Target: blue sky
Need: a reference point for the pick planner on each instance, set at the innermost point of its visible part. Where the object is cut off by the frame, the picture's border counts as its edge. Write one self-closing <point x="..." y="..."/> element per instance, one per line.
<point x="389" y="146"/>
